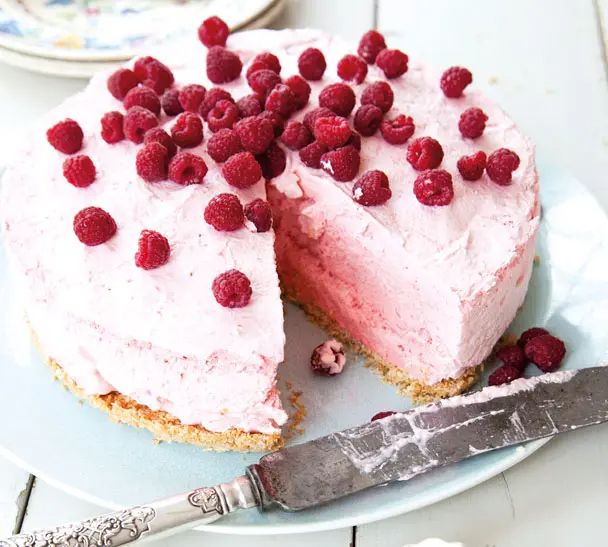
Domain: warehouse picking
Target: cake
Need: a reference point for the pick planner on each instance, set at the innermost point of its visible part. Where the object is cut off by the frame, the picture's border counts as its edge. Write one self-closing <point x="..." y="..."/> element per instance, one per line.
<point x="172" y="324"/>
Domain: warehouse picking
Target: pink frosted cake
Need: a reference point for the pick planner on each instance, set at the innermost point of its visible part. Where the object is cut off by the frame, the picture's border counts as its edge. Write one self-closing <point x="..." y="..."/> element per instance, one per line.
<point x="160" y="302"/>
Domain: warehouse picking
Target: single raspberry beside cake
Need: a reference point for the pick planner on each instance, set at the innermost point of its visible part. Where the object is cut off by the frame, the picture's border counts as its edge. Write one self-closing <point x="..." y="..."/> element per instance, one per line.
<point x="434" y="188"/>
<point x="259" y="215"/>
<point x="424" y="153"/>
<point x="187" y="131"/>
<point x="328" y="358"/>
<point x="504" y="375"/>
<point x="187" y="168"/>
<point x="526" y="336"/>
<point x="232" y="289"/>
<point x="225" y="213"/>
<point x="66" y="136"/>
<point x="382" y="415"/>
<point x="242" y="170"/>
<point x="79" y="170"/>
<point x="372" y="188"/>
<point x="151" y="162"/>
<point x="112" y="127"/>
<point x="512" y="355"/>
<point x="546" y="352"/>
<point x="94" y="226"/>
<point x="153" y="250"/>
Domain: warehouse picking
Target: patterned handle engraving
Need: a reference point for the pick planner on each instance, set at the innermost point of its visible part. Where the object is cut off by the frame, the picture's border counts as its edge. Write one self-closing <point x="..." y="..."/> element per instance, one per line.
<point x="105" y="531"/>
<point x="208" y="499"/>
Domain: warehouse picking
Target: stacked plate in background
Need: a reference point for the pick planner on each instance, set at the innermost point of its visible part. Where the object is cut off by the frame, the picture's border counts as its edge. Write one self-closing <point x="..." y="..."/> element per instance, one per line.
<point x="76" y="38"/>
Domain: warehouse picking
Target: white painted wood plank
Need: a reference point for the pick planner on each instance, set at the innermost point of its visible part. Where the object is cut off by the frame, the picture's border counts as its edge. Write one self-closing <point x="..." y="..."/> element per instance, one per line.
<point x="13" y="482"/>
<point x="49" y="506"/>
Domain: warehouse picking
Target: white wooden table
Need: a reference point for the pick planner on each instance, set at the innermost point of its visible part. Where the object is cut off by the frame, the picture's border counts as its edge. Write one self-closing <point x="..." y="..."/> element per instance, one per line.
<point x="545" y="62"/>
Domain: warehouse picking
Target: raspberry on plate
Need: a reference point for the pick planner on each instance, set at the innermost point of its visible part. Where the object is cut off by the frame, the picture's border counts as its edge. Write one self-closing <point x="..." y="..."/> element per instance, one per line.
<point x="281" y="100"/>
<point x="249" y="105"/>
<point x="159" y="135"/>
<point x="382" y="415"/>
<point x="223" y="144"/>
<point x="94" y="226"/>
<point x="339" y="98"/>
<point x="472" y="167"/>
<point x="379" y="94"/>
<point x="79" y="170"/>
<point x="342" y="164"/>
<point x="153" y="250"/>
<point x="472" y="123"/>
<point x="328" y="358"/>
<point x="232" y="289"/>
<point x="392" y="62"/>
<point x="151" y="162"/>
<point x="526" y="336"/>
<point x="352" y="69"/>
<point x="546" y="352"/>
<point x="213" y="32"/>
<point x="273" y="161"/>
<point x="501" y="164"/>
<point x="262" y="81"/>
<point x="300" y="89"/>
<point x="434" y="188"/>
<point x="333" y="132"/>
<point x="170" y="102"/>
<point x="191" y="96"/>
<point x="504" y="375"/>
<point x="212" y="97"/>
<point x="242" y="170"/>
<point x="222" y="116"/>
<point x="258" y="215"/>
<point x="296" y="136"/>
<point x="311" y="154"/>
<point x="397" y="130"/>
<point x="187" y="168"/>
<point x="66" y="136"/>
<point x="371" y="43"/>
<point x="255" y="134"/>
<point x="142" y="96"/>
<point x="372" y="188"/>
<point x="512" y="355"/>
<point x="368" y="118"/>
<point x="187" y="132"/>
<point x="225" y="213"/>
<point x="311" y="64"/>
<point x="454" y="80"/>
<point x="223" y="66"/>
<point x="424" y="153"/>
<point x="137" y="121"/>
<point x="153" y="74"/>
<point x="112" y="127"/>
<point x="121" y="82"/>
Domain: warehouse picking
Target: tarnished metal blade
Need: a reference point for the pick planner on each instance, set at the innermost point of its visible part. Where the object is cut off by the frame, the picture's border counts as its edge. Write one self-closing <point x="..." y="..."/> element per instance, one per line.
<point x="410" y="443"/>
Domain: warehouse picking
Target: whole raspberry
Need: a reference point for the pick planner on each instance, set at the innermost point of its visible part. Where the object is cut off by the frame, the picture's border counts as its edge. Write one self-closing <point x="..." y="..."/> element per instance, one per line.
<point x="255" y="66"/>
<point x="434" y="188"/>
<point x="332" y="132"/>
<point x="382" y="415"/>
<point x="142" y="96"/>
<point x="352" y="69"/>
<point x="187" y="131"/>
<point x="223" y="65"/>
<point x="296" y="136"/>
<point x="472" y="122"/>
<point x="424" y="153"/>
<point x="311" y="64"/>
<point x="213" y="32"/>
<point x="223" y="144"/>
<point x="301" y="90"/>
<point x="277" y="121"/>
<point x="66" y="136"/>
<point x="259" y="215"/>
<point x="379" y="94"/>
<point x="311" y="154"/>
<point x="339" y="98"/>
<point x="111" y="127"/>
<point x="154" y="74"/>
<point x="137" y="121"/>
<point x="529" y="334"/>
<point x="371" y="43"/>
<point x="121" y="82"/>
<point x="212" y="97"/>
<point x="501" y="164"/>
<point x="232" y="289"/>
<point x="153" y="250"/>
<point x="342" y="164"/>
<point x="281" y="100"/>
<point x="170" y="102"/>
<point x="249" y="105"/>
<point x="368" y="119"/>
<point x="545" y="351"/>
<point x="222" y="116"/>
<point x="397" y="130"/>
<point x="311" y="117"/>
<point x="454" y="80"/>
<point x="504" y="375"/>
<point x="392" y="62"/>
<point x="272" y="161"/>
<point x="159" y="135"/>
<point x="255" y="134"/>
<point x="269" y="61"/>
<point x="187" y="168"/>
<point x="372" y="188"/>
<point x="262" y="81"/>
<point x="225" y="213"/>
<point x="355" y="141"/>
<point x="328" y="358"/>
<point x="242" y="170"/>
<point x="151" y="162"/>
<point x="79" y="170"/>
<point x="512" y="355"/>
<point x="472" y="167"/>
<point x="93" y="226"/>
<point x="191" y="96"/>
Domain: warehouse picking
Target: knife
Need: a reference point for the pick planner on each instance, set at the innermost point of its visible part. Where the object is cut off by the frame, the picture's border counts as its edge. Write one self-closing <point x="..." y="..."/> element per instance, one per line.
<point x="395" y="448"/>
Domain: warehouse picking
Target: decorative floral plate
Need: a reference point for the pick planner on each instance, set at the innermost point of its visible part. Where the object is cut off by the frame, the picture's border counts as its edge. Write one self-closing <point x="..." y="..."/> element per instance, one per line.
<point x="105" y="30"/>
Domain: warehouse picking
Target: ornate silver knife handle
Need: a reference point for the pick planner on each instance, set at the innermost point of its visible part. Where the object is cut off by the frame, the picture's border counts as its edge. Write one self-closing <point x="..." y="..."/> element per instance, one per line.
<point x="201" y="506"/>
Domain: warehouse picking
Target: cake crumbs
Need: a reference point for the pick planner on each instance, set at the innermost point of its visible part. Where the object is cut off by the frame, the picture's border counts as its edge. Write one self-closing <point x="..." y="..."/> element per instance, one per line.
<point x="493" y="80"/>
<point x="536" y="260"/>
<point x="506" y="340"/>
<point x="296" y="418"/>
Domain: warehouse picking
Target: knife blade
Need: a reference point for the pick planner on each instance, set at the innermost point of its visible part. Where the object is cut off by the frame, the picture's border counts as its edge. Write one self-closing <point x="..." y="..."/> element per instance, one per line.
<point x="395" y="448"/>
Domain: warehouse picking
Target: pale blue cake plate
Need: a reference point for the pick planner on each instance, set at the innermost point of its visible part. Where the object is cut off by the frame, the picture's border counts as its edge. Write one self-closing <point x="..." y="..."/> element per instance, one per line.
<point x="75" y="447"/>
